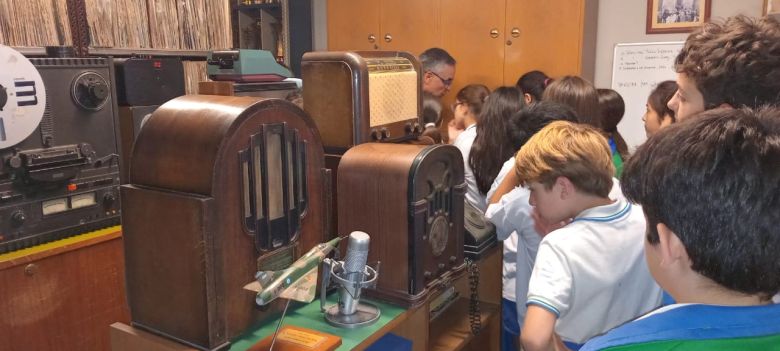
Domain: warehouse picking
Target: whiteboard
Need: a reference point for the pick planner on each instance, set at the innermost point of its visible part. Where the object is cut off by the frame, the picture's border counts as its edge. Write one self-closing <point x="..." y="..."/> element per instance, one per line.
<point x="636" y="69"/>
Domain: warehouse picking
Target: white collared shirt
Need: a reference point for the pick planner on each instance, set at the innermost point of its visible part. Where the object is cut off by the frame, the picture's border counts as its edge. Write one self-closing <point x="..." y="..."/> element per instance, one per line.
<point x="592" y="273"/>
<point x="463" y="142"/>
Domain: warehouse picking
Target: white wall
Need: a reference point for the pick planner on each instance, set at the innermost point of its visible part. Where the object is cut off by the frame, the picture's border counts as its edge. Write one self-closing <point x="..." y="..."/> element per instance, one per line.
<point x="623" y="21"/>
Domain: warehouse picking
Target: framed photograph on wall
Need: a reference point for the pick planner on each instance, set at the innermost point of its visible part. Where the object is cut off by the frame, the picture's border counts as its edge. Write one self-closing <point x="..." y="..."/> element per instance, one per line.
<point x="677" y="16"/>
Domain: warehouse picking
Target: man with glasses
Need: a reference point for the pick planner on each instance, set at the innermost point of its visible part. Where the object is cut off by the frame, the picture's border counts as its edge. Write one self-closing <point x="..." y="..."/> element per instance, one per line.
<point x="438" y="71"/>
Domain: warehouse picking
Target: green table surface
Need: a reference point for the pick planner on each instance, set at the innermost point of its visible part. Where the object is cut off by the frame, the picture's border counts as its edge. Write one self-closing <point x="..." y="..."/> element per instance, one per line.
<point x="310" y="316"/>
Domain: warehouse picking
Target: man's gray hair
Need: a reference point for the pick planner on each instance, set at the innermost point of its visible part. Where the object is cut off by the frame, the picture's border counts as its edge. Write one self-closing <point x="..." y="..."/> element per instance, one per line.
<point x="432" y="58"/>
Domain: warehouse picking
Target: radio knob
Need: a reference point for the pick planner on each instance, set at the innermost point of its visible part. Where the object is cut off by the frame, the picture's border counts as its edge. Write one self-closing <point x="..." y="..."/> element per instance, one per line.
<point x="108" y="200"/>
<point x="385" y="133"/>
<point x="97" y="91"/>
<point x="18" y="218"/>
<point x="427" y="275"/>
<point x="408" y="128"/>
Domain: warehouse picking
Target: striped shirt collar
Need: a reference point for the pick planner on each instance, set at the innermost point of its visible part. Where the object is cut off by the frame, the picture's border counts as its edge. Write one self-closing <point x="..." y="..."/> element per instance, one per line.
<point x="606" y="213"/>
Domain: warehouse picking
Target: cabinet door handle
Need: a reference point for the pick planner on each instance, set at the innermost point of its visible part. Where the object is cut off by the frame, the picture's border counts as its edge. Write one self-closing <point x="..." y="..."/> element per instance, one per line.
<point x="494" y="33"/>
<point x="515" y="32"/>
<point x="371" y="38"/>
<point x="388" y="38"/>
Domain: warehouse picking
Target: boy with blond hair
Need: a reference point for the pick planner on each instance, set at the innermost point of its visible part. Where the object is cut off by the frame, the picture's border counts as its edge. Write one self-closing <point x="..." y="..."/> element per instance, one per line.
<point x="590" y="275"/>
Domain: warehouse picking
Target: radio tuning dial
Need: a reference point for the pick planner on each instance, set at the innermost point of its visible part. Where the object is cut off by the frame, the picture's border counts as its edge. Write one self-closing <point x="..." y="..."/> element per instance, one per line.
<point x="18" y="218"/>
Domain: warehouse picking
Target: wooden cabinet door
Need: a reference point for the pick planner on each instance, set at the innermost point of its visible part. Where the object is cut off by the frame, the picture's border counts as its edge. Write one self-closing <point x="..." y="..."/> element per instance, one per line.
<point x="466" y="34"/>
<point x="410" y="25"/>
<point x="550" y="37"/>
<point x="351" y="23"/>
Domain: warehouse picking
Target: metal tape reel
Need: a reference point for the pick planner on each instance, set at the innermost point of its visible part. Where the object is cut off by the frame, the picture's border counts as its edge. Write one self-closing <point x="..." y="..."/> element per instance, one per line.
<point x="22" y="97"/>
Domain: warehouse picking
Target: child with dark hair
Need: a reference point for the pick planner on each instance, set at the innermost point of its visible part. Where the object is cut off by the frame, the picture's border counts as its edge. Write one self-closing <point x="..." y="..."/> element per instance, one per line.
<point x="658" y="113"/>
<point x="612" y="110"/>
<point x="579" y="94"/>
<point x="735" y="62"/>
<point x="511" y="214"/>
<point x="720" y="261"/>
<point x="492" y="145"/>
<point x="532" y="85"/>
<point x="467" y="110"/>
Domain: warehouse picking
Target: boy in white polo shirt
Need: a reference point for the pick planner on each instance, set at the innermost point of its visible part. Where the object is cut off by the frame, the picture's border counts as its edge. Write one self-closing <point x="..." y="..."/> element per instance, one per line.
<point x="589" y="276"/>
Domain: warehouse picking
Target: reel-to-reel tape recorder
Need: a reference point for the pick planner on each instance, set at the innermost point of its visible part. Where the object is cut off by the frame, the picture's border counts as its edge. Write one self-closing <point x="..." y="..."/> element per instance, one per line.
<point x="59" y="163"/>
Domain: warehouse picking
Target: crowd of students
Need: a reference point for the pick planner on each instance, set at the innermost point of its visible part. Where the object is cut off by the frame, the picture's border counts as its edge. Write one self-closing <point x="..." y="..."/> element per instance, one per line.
<point x="674" y="246"/>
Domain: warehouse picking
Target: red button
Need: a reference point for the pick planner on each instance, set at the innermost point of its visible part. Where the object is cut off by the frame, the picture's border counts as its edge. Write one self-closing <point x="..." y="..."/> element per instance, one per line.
<point x="71" y="187"/>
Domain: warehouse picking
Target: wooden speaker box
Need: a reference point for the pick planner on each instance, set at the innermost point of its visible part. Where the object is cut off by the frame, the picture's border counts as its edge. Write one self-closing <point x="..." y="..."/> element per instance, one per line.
<point x="358" y="97"/>
<point x="220" y="187"/>
<point x="409" y="199"/>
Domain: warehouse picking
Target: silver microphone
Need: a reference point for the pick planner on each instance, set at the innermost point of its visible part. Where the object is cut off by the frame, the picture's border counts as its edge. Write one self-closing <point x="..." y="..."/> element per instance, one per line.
<point x="354" y="269"/>
<point x="352" y="275"/>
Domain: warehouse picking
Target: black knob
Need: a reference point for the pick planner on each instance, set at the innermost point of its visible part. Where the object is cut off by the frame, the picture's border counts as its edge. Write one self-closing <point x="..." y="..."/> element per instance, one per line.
<point x="18" y="218"/>
<point x="15" y="161"/>
<point x="87" y="150"/>
<point x="427" y="275"/>
<point x="374" y="135"/>
<point x="108" y="200"/>
<point x="385" y="133"/>
<point x="408" y="128"/>
<point x="90" y="91"/>
<point x="98" y="91"/>
<point x="3" y="97"/>
<point x="441" y="266"/>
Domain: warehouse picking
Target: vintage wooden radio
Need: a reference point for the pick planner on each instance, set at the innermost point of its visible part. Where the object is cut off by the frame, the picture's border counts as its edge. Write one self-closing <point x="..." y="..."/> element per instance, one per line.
<point x="220" y="187"/>
<point x="409" y="199"/>
<point x="358" y="97"/>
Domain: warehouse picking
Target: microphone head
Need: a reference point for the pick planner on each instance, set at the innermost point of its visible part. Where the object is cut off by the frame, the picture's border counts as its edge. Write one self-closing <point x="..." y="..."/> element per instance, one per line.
<point x="357" y="252"/>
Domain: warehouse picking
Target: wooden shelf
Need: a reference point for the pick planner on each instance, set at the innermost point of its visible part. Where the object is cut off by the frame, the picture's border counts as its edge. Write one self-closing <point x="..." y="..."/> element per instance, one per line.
<point x="199" y="54"/>
<point x="30" y="50"/>
<point x="452" y="329"/>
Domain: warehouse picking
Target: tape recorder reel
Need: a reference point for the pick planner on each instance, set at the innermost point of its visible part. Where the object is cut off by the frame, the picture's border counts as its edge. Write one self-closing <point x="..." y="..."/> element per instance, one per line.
<point x="59" y="164"/>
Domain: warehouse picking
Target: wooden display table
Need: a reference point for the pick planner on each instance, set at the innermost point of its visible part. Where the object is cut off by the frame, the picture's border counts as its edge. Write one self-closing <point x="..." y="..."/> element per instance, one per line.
<point x="450" y="331"/>
<point x="126" y="338"/>
<point x="63" y="295"/>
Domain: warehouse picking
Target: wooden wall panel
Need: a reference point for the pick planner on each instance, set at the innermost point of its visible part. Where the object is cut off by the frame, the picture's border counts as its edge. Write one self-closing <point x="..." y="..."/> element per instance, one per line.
<point x="350" y="23"/>
<point x="466" y="36"/>
<point x="63" y="302"/>
<point x="550" y="37"/>
<point x="412" y="25"/>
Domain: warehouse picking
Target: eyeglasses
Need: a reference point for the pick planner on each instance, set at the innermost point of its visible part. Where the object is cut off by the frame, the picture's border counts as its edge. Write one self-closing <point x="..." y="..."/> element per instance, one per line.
<point x="446" y="82"/>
